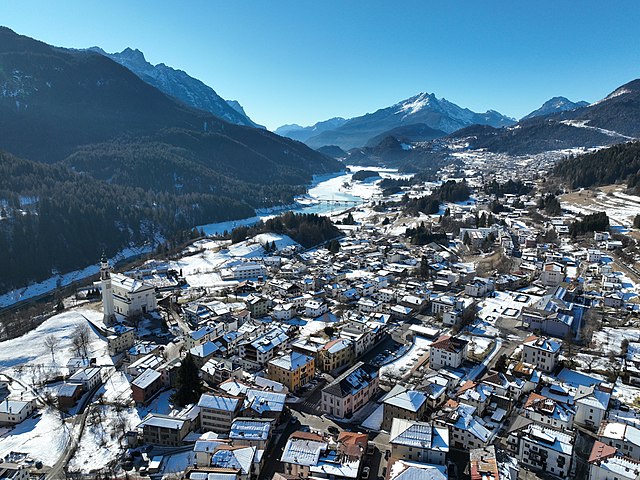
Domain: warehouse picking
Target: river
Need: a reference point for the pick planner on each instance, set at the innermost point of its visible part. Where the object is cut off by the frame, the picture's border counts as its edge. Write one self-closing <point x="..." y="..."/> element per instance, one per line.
<point x="328" y="195"/>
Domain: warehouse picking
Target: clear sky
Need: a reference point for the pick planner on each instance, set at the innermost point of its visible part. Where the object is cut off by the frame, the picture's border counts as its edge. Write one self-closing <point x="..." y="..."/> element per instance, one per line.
<point x="303" y="61"/>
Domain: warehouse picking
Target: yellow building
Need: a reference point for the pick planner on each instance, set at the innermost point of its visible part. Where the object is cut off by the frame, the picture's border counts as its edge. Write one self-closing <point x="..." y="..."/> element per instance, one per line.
<point x="292" y="369"/>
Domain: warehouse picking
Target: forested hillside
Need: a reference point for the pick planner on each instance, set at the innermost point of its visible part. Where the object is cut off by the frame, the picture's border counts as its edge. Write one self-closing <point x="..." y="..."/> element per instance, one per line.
<point x="619" y="163"/>
<point x="52" y="219"/>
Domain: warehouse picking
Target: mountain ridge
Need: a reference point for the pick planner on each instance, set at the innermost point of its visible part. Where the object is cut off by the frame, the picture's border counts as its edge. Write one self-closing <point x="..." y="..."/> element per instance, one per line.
<point x="179" y="84"/>
<point x="425" y="108"/>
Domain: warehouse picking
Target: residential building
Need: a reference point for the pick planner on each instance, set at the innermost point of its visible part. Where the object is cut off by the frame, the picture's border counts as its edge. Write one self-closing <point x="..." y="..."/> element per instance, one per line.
<point x="146" y="385"/>
<point x="407" y="405"/>
<point x="350" y="391"/>
<point x="217" y="412"/>
<point x="448" y="351"/>
<point x="419" y="441"/>
<point x="336" y="354"/>
<point x="541" y="352"/>
<point x="543" y="449"/>
<point x="292" y="369"/>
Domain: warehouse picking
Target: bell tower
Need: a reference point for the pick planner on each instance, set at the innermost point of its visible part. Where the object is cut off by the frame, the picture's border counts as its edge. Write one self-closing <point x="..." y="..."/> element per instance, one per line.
<point x="107" y="294"/>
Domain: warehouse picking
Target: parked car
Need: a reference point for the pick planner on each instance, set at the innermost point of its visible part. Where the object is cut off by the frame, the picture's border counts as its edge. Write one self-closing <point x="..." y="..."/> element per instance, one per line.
<point x="365" y="472"/>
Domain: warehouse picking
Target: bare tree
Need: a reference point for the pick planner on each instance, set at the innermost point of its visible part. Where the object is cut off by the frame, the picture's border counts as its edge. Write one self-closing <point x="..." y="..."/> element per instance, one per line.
<point x="52" y="342"/>
<point x="80" y="340"/>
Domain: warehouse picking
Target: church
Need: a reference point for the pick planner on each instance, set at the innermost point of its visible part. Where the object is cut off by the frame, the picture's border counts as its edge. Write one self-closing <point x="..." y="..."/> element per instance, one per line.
<point x="123" y="295"/>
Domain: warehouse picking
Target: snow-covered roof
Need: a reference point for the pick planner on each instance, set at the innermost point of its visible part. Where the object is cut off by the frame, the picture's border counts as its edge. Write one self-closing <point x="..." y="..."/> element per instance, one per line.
<point x="423" y="435"/>
<point x="291" y="361"/>
<point x="218" y="402"/>
<point x="410" y="400"/>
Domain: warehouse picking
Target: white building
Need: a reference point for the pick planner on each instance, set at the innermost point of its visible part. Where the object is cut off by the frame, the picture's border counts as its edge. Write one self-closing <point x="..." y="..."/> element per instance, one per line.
<point x="315" y="308"/>
<point x="624" y="437"/>
<point x="448" y="351"/>
<point x="552" y="274"/>
<point x="419" y="441"/>
<point x="244" y="271"/>
<point x="606" y="463"/>
<point x="13" y="412"/>
<point x="541" y="352"/>
<point x="543" y="449"/>
<point x="123" y="295"/>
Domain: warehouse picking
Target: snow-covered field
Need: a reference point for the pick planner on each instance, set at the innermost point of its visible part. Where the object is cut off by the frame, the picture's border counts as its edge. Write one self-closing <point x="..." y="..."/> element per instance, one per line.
<point x="42" y="438"/>
<point x="28" y="360"/>
<point x="31" y="351"/>
<point x="621" y="208"/>
<point x="609" y="340"/>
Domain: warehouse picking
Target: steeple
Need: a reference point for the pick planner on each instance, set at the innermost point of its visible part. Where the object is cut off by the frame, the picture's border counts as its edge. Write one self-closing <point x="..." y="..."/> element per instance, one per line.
<point x="107" y="294"/>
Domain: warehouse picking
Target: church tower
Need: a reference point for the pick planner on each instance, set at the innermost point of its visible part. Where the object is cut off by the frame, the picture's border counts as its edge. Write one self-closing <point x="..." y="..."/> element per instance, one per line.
<point x="107" y="294"/>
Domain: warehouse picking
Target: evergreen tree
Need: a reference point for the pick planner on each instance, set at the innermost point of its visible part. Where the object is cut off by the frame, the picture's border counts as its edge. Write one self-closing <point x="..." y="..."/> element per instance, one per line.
<point x="189" y="385"/>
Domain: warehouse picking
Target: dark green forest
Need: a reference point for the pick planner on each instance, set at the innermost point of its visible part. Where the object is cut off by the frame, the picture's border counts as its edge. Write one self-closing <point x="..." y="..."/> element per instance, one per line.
<point x="53" y="219"/>
<point x="308" y="229"/>
<point x="620" y="163"/>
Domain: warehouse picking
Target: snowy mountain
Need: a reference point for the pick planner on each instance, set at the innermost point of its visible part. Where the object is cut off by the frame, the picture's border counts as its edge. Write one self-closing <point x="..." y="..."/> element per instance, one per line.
<point x="614" y="119"/>
<point x="555" y="105"/>
<point x="180" y="85"/>
<point x="301" y="134"/>
<point x="425" y="108"/>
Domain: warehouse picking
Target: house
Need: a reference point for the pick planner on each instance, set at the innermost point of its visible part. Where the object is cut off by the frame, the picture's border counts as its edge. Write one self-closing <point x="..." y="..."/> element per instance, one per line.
<point x="13" y="471"/>
<point x="541" y="352"/>
<point x="292" y="369"/>
<point x="552" y="274"/>
<point x="301" y="452"/>
<point x="419" y="441"/>
<point x="350" y="391"/>
<point x="13" y="412"/>
<point x="543" y="449"/>
<point x="466" y="430"/>
<point x="336" y="354"/>
<point x="89" y="378"/>
<point x="120" y="338"/>
<point x="315" y="308"/>
<point x="263" y="404"/>
<point x="625" y="438"/>
<point x="244" y="462"/>
<point x="256" y="353"/>
<point x="548" y="411"/>
<point x="163" y="430"/>
<point x="68" y="395"/>
<point x="251" y="432"/>
<point x="202" y="353"/>
<point x="407" y="470"/>
<point x="407" y="405"/>
<point x="146" y="385"/>
<point x="483" y="464"/>
<point x="447" y="351"/>
<point x="217" y="370"/>
<point x="217" y="412"/>
<point x="479" y="287"/>
<point x="607" y="463"/>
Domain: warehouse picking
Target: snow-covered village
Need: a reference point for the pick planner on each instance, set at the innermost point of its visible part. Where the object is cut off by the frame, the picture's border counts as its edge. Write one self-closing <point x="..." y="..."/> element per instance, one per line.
<point x="480" y="341"/>
<point x="284" y="240"/>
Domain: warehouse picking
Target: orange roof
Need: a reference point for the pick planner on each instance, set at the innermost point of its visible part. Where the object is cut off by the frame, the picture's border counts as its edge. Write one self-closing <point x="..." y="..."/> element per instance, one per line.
<point x="533" y="398"/>
<point x="601" y="451"/>
<point x="307" y="436"/>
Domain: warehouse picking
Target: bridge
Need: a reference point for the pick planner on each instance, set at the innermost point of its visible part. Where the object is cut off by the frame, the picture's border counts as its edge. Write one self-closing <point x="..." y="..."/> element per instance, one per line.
<point x="331" y="201"/>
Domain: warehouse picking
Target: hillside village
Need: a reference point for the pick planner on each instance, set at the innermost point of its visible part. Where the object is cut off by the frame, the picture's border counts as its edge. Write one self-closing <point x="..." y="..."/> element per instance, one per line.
<point x="483" y="341"/>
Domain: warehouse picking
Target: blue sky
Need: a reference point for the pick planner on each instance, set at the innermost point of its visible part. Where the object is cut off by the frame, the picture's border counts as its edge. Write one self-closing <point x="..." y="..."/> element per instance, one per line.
<point x="304" y="61"/>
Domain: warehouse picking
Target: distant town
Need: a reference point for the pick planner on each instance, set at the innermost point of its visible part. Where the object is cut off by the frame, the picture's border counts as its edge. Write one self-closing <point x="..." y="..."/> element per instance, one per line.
<point x="496" y="338"/>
